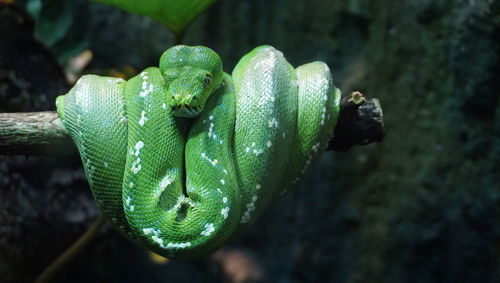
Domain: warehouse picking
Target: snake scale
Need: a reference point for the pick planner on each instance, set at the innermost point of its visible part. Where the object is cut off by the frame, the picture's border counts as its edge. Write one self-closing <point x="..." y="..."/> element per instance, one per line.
<point x="183" y="156"/>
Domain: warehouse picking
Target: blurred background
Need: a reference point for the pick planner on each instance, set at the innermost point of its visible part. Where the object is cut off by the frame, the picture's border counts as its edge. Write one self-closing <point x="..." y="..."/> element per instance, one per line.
<point x="421" y="206"/>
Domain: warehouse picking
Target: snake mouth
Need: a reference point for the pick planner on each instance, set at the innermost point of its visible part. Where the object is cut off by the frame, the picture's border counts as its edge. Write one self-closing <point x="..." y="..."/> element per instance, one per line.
<point x="186" y="111"/>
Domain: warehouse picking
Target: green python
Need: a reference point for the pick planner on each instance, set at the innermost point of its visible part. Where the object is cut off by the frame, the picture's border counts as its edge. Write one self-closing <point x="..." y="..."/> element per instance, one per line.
<point x="183" y="156"/>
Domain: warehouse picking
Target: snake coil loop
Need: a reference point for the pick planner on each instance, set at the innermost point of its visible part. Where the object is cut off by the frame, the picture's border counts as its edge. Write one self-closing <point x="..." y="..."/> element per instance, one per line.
<point x="182" y="156"/>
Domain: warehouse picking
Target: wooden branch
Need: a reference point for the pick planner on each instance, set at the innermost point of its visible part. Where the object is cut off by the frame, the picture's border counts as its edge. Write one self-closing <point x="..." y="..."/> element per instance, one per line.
<point x="42" y="133"/>
<point x="360" y="122"/>
<point x="34" y="133"/>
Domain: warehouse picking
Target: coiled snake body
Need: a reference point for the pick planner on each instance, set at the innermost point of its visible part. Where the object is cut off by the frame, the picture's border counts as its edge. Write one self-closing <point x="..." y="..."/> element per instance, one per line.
<point x="182" y="156"/>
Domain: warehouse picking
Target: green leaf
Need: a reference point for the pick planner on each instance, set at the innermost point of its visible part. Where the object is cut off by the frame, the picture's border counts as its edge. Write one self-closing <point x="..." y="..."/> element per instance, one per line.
<point x="176" y="15"/>
<point x="34" y="7"/>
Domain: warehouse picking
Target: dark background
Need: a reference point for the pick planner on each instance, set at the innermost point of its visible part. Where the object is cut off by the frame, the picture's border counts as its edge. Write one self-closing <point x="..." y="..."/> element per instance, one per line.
<point x="422" y="206"/>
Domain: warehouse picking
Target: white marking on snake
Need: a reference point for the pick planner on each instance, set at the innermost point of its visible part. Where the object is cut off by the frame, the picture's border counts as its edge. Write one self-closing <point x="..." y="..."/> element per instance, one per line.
<point x="117" y="80"/>
<point x="138" y="146"/>
<point x="81" y="96"/>
<point x="258" y="152"/>
<point x="315" y="147"/>
<point x="143" y="118"/>
<point x="209" y="228"/>
<point x="308" y="162"/>
<point x="248" y="212"/>
<point x="146" y="89"/>
<point x="225" y="212"/>
<point x="222" y="181"/>
<point x="165" y="182"/>
<point x="269" y="143"/>
<point x="178" y="245"/>
<point x="136" y="166"/>
<point x="157" y="240"/>
<point x="211" y="130"/>
<point x="224" y="199"/>
<point x="214" y="162"/>
<point x="156" y="235"/>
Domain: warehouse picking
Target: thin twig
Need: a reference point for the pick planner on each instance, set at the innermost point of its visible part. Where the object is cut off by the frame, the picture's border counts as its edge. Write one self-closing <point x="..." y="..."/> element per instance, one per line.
<point x="76" y="248"/>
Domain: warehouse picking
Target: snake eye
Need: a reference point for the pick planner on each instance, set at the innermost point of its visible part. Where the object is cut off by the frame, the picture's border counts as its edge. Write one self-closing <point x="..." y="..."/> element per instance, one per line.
<point x="168" y="77"/>
<point x="207" y="80"/>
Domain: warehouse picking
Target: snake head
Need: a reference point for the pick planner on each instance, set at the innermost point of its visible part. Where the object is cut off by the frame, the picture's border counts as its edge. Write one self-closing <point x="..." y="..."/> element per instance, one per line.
<point x="191" y="75"/>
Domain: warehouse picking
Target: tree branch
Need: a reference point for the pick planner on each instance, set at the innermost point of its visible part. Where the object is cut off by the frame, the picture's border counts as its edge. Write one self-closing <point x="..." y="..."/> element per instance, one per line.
<point x="42" y="133"/>
<point x="360" y="122"/>
<point x="34" y="133"/>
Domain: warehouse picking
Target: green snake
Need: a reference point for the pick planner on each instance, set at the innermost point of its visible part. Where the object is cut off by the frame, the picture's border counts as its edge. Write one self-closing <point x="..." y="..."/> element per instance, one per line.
<point x="183" y="156"/>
